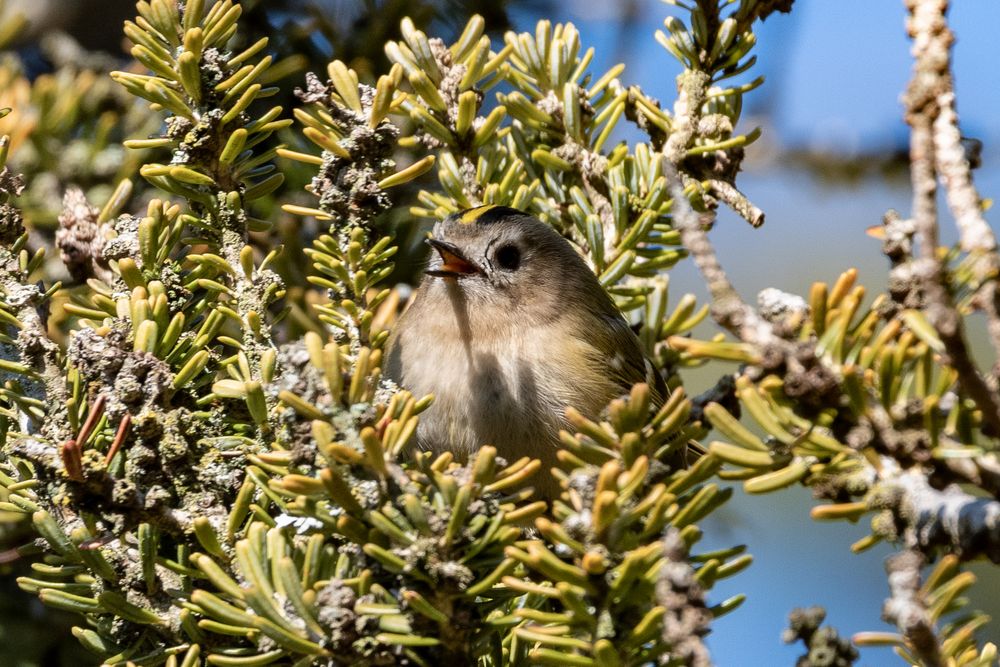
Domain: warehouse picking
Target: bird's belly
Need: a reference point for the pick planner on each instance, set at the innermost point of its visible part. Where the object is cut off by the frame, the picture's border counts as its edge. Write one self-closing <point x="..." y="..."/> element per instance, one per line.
<point x="511" y="397"/>
<point x="486" y="407"/>
<point x="482" y="397"/>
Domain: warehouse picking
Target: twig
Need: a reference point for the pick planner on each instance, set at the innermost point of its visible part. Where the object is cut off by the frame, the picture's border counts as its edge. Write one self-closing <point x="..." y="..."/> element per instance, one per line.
<point x="686" y="619"/>
<point x="728" y="307"/>
<point x="934" y="85"/>
<point x="736" y="200"/>
<point x="930" y="517"/>
<point x="951" y="518"/>
<point x="905" y="607"/>
<point x="692" y="91"/>
<point x="982" y="471"/>
<point x="975" y="235"/>
<point x="931" y="81"/>
<point x="34" y="348"/>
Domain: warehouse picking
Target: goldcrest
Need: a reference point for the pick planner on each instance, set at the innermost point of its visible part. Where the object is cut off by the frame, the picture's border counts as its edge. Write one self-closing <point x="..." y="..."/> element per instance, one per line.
<point x="508" y="328"/>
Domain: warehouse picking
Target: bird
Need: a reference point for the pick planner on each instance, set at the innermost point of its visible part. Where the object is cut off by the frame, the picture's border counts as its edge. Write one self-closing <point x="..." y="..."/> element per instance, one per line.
<point x="508" y="328"/>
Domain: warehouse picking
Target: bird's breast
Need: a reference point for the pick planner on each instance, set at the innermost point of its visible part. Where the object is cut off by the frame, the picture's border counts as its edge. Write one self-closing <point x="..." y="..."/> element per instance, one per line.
<point x="509" y="389"/>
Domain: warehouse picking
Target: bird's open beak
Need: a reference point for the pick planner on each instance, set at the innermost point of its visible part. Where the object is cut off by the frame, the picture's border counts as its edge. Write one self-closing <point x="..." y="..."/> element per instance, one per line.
<point x="453" y="263"/>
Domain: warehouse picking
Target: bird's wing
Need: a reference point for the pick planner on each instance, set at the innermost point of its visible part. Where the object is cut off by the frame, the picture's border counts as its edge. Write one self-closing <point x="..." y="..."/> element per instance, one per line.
<point x="628" y="363"/>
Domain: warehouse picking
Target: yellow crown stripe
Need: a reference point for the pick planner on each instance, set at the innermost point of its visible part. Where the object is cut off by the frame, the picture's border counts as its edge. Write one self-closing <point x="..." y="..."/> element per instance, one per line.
<point x="474" y="214"/>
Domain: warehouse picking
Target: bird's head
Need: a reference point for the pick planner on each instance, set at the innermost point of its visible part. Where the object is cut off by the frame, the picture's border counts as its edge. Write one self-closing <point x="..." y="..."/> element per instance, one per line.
<point x="498" y="254"/>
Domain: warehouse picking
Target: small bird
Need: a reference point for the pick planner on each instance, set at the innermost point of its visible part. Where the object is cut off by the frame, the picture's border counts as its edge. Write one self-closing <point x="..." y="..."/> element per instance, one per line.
<point x="509" y="328"/>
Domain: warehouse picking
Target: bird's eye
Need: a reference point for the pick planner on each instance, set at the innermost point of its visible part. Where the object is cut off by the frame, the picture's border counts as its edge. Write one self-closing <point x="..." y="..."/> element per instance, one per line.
<point x="508" y="257"/>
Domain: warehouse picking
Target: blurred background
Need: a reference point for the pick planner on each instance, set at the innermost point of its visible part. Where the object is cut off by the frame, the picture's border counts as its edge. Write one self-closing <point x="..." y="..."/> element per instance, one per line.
<point x="831" y="161"/>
